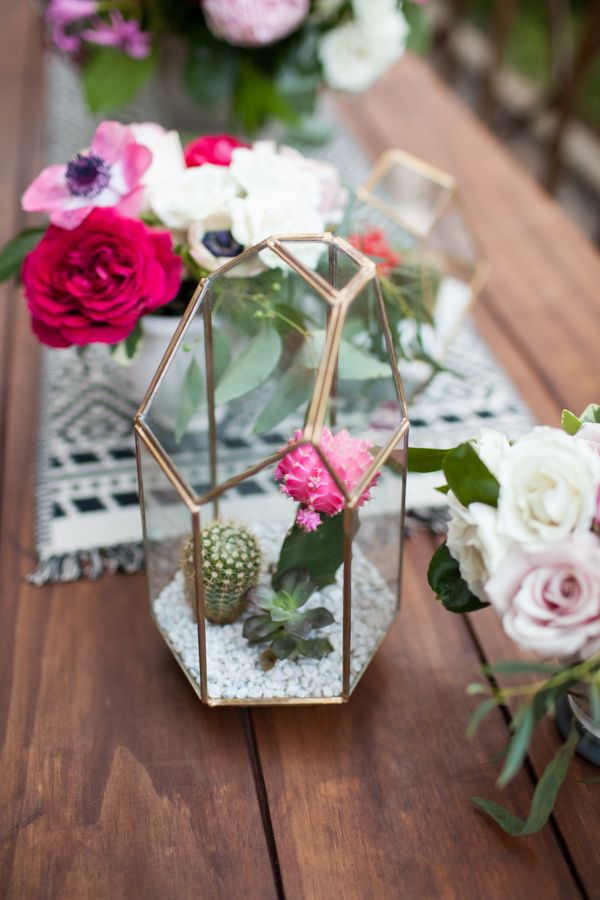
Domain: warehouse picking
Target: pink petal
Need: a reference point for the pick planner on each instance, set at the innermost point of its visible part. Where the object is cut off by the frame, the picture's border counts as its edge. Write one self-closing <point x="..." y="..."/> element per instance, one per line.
<point x="70" y="218"/>
<point x="135" y="161"/>
<point x="46" y="192"/>
<point x="111" y="140"/>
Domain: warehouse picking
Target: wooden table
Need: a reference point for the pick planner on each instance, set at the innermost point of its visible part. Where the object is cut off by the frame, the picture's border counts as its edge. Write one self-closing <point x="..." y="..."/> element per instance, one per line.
<point x="117" y="783"/>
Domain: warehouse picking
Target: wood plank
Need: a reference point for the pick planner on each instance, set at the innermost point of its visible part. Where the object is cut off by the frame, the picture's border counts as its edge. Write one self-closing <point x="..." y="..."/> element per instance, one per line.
<point x="372" y="799"/>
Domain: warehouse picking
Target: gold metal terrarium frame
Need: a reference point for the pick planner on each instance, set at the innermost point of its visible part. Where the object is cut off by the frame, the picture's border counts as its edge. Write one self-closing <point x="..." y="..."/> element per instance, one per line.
<point x="338" y="302"/>
<point x="400" y="184"/>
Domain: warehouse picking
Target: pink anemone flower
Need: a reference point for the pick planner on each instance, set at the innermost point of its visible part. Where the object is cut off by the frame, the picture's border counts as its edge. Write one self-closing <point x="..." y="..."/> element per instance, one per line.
<point x="108" y="174"/>
<point x="305" y="478"/>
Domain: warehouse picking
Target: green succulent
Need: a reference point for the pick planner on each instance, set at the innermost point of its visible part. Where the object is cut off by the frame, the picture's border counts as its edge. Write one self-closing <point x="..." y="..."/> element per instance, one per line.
<point x="284" y="625"/>
<point x="231" y="560"/>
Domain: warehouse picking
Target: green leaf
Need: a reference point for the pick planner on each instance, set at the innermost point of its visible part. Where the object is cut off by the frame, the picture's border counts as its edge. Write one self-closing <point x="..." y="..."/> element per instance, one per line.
<point x="425" y="459"/>
<point x="479" y="715"/>
<point x="257" y="98"/>
<point x="315" y="648"/>
<point x="319" y="617"/>
<point x="190" y="398"/>
<point x="320" y="552"/>
<point x="111" y="78"/>
<point x="519" y="744"/>
<point x="354" y="364"/>
<point x="251" y="368"/>
<point x="14" y="252"/>
<point x="518" y="667"/>
<point x="591" y="413"/>
<point x="258" y="628"/>
<point x="126" y="352"/>
<point x="284" y="645"/>
<point x="445" y="579"/>
<point x="291" y="390"/>
<point x="299" y="628"/>
<point x="594" y="690"/>
<point x="544" y="795"/>
<point x="469" y="477"/>
<point x="569" y="422"/>
<point x="221" y="354"/>
<point x="209" y="72"/>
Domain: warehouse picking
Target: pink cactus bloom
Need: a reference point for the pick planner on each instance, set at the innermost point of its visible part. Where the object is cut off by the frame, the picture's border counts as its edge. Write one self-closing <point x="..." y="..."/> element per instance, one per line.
<point x="60" y="14"/>
<point x="125" y="34"/>
<point x="254" y="23"/>
<point x="305" y="478"/>
<point x="108" y="174"/>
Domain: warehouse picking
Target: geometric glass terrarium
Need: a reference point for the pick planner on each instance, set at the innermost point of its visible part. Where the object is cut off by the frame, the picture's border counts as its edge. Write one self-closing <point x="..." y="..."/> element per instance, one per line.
<point x="419" y="209"/>
<point x="272" y="450"/>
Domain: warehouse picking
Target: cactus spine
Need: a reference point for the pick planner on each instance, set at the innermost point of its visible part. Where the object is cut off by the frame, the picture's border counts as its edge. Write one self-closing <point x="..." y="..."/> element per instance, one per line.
<point x="231" y="560"/>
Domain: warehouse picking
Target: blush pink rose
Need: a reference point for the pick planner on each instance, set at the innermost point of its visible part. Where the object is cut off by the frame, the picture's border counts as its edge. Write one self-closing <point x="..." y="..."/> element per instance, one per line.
<point x="91" y="284"/>
<point x="590" y="433"/>
<point x="549" y="599"/>
<point x="211" y="148"/>
<point x="254" y="23"/>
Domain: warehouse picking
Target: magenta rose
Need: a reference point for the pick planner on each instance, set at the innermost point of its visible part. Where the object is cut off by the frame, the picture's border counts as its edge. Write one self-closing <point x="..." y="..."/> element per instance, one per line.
<point x="211" y="148"/>
<point x="254" y="23"/>
<point x="549" y="598"/>
<point x="92" y="284"/>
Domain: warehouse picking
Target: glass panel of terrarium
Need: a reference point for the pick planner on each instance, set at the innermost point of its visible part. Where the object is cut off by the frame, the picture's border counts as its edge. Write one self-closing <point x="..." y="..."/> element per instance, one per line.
<point x="261" y="580"/>
<point x="270" y="329"/>
<point x="408" y="190"/>
<point x="376" y="563"/>
<point x="168" y="530"/>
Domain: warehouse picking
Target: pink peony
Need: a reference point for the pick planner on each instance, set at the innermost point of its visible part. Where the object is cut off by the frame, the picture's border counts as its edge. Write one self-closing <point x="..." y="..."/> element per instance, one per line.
<point x="60" y="14"/>
<point x="92" y="283"/>
<point x="124" y="34"/>
<point x="305" y="479"/>
<point x="108" y="174"/>
<point x="549" y="599"/>
<point x="254" y="23"/>
<point x="211" y="148"/>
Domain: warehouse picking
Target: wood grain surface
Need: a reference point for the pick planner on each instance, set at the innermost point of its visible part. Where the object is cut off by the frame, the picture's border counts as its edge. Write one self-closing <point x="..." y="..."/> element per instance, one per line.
<point x="114" y="780"/>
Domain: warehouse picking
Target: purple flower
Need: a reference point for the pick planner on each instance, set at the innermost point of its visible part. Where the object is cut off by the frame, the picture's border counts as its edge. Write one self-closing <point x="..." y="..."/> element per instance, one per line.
<point x="60" y="14"/>
<point x="125" y="34"/>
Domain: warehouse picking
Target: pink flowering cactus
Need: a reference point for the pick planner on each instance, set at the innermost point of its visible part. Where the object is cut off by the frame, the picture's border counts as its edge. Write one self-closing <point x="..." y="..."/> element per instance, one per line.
<point x="254" y="23"/>
<point x="108" y="174"/>
<point x="304" y="477"/>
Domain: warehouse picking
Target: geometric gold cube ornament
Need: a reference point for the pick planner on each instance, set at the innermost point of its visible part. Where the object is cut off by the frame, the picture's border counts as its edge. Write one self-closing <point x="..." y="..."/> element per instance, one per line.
<point x="283" y="347"/>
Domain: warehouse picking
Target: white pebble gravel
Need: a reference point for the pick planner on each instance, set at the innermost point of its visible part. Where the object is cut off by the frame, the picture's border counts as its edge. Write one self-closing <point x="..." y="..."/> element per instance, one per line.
<point x="233" y="666"/>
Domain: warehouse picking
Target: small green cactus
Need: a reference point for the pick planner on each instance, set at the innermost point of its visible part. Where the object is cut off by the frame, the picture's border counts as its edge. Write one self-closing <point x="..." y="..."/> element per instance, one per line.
<point x="231" y="560"/>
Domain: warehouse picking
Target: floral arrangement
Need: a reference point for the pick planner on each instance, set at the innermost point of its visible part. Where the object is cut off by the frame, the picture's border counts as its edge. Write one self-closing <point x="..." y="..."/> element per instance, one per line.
<point x="263" y="59"/>
<point x="137" y="219"/>
<point x="524" y="538"/>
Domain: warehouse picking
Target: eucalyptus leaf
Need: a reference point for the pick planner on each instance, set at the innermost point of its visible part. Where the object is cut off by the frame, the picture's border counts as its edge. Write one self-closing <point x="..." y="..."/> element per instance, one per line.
<point x="111" y="78"/>
<point x="446" y="581"/>
<point x="14" y="252"/>
<point x="354" y="364"/>
<point x="469" y="478"/>
<point x="519" y="744"/>
<point x="518" y="667"/>
<point x="251" y="368"/>
<point x="221" y="354"/>
<point x="192" y="392"/>
<point x="569" y="422"/>
<point x="291" y="391"/>
<point x="479" y="715"/>
<point x="544" y="795"/>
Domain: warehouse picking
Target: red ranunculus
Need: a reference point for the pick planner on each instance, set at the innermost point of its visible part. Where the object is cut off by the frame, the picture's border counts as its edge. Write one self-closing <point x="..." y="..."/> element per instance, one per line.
<point x="211" y="148"/>
<point x="92" y="284"/>
<point x="375" y="244"/>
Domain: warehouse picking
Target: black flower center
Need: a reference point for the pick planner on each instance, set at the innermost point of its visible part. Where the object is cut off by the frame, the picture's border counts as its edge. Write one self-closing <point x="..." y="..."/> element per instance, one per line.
<point x="87" y="176"/>
<point x="221" y="243"/>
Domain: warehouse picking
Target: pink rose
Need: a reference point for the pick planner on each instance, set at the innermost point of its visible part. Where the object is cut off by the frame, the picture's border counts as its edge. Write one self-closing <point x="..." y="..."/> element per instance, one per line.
<point x="549" y="599"/>
<point x="254" y="23"/>
<point x="91" y="284"/>
<point x="211" y="148"/>
<point x="590" y="433"/>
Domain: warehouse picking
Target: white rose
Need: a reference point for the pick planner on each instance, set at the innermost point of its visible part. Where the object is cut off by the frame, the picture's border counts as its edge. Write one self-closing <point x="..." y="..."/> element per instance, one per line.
<point x="332" y="197"/>
<point x="549" y="599"/>
<point x="357" y="53"/>
<point x="548" y="486"/>
<point x="263" y="214"/>
<point x="166" y="149"/>
<point x="261" y="169"/>
<point x="193" y="195"/>
<point x="491" y="447"/>
<point x="475" y="543"/>
<point x="211" y="245"/>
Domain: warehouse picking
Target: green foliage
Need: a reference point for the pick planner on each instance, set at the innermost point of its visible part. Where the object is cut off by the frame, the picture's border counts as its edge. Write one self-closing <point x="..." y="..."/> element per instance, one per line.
<point x="569" y="422"/>
<point x="319" y="552"/>
<point x="591" y="413"/>
<point x="126" y="352"/>
<point x="192" y="393"/>
<point x="285" y="624"/>
<point x="257" y="98"/>
<point x="111" y="78"/>
<point x="251" y="368"/>
<point x="449" y="586"/>
<point x="290" y="392"/>
<point x="231" y="559"/>
<point x="426" y="459"/>
<point x="14" y="252"/>
<point x="469" y="478"/>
